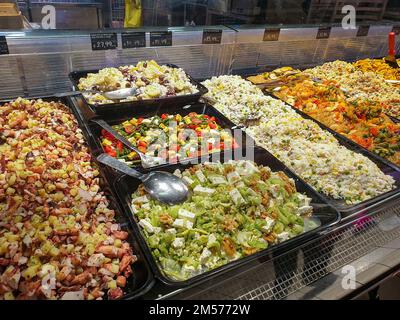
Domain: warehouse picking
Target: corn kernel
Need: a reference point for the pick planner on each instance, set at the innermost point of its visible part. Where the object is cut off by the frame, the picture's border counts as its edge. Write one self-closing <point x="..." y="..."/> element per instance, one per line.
<point x="9" y="296"/>
<point x="112" y="284"/>
<point x="12" y="179"/>
<point x="10" y="191"/>
<point x="118" y="243"/>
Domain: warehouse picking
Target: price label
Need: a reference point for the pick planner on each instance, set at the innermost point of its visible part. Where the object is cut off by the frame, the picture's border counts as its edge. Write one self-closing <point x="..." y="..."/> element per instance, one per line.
<point x="396" y="30"/>
<point x="212" y="36"/>
<point x="161" y="38"/>
<point x="104" y="41"/>
<point x="133" y="40"/>
<point x="324" y="32"/>
<point x="362" y="31"/>
<point x="3" y="45"/>
<point x="271" y="34"/>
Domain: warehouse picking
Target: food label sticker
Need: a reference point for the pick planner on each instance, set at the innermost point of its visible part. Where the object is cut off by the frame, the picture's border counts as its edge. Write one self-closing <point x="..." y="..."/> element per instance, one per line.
<point x="161" y="38"/>
<point x="3" y="45"/>
<point x="396" y="30"/>
<point x="271" y="34"/>
<point x="104" y="41"/>
<point x="133" y="40"/>
<point x="212" y="36"/>
<point x="324" y="32"/>
<point x="362" y="31"/>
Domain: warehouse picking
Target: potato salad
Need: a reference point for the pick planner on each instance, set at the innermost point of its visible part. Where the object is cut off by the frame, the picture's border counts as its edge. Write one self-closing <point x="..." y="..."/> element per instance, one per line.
<point x="149" y="78"/>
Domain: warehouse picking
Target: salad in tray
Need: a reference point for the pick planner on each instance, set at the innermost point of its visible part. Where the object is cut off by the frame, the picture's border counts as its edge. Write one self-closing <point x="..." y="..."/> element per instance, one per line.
<point x="236" y="209"/>
<point x="151" y="80"/>
<point x="170" y="137"/>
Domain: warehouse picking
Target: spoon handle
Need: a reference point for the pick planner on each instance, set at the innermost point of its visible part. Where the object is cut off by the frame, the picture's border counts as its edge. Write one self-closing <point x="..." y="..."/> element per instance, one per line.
<point x="116" y="135"/>
<point x="75" y="93"/>
<point x="119" y="166"/>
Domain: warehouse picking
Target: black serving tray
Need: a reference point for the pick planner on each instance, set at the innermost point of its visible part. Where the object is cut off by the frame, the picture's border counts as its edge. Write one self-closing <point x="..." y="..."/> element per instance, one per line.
<point x="326" y="214"/>
<point x="384" y="165"/>
<point x="243" y="139"/>
<point x="112" y="108"/>
<point x="142" y="278"/>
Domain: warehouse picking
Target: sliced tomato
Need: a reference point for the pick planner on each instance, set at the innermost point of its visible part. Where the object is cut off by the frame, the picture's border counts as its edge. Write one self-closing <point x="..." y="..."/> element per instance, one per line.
<point x="374" y="131"/>
<point x="120" y="146"/>
<point x="140" y="120"/>
<point x="142" y="144"/>
<point x="110" y="151"/>
<point x="142" y="149"/>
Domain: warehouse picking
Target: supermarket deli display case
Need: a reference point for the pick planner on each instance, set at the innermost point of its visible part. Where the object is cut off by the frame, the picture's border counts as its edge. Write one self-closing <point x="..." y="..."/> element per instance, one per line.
<point x="307" y="266"/>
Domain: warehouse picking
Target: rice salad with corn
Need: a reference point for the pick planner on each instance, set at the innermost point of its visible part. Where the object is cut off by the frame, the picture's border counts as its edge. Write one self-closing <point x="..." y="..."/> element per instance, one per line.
<point x="312" y="153"/>
<point x="149" y="78"/>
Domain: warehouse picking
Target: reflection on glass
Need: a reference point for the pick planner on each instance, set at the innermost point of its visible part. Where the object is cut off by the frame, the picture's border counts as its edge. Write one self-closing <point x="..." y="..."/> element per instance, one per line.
<point x="93" y="14"/>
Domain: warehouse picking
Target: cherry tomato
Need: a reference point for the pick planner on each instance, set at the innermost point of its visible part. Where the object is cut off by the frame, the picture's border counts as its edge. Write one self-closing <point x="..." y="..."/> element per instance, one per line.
<point x="142" y="144"/>
<point x="212" y="125"/>
<point x="120" y="146"/>
<point x="140" y="120"/>
<point x="164" y="116"/>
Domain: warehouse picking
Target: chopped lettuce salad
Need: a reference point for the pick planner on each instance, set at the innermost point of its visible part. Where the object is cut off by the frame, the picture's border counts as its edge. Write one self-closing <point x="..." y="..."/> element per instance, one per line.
<point x="236" y="209"/>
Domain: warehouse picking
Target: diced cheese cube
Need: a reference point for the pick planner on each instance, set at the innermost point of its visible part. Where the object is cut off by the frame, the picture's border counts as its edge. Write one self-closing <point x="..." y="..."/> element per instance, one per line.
<point x="250" y="167"/>
<point x="187" y="180"/>
<point x="203" y="191"/>
<point x="179" y="223"/>
<point x="233" y="177"/>
<point x="178" y="243"/>
<point x="178" y="173"/>
<point x="141" y="199"/>
<point x="185" y="214"/>
<point x="217" y="180"/>
<point x="146" y="121"/>
<point x="188" y="224"/>
<point x="200" y="176"/>
<point x="145" y="224"/>
<point x="283" y="236"/>
<point x="146" y="206"/>
<point x="268" y="226"/>
<point x="304" y="210"/>
<point x="211" y="239"/>
<point x="205" y="255"/>
<point x="172" y="231"/>
<point x="157" y="229"/>
<point x="236" y="196"/>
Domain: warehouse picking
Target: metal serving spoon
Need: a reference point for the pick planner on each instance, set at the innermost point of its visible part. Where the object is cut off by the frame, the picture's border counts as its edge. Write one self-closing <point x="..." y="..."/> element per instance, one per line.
<point x="162" y="186"/>
<point x="147" y="161"/>
<point x="119" y="94"/>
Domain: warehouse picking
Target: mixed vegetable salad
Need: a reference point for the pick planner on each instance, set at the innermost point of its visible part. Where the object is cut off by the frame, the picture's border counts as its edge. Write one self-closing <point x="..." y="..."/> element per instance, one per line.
<point x="236" y="209"/>
<point x="360" y="119"/>
<point x="170" y="137"/>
